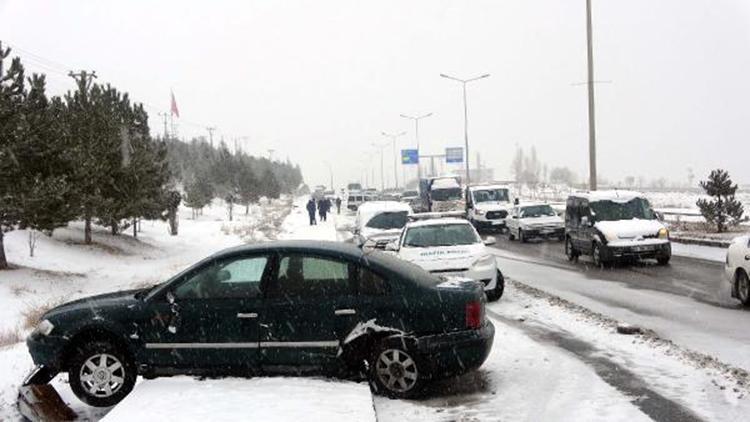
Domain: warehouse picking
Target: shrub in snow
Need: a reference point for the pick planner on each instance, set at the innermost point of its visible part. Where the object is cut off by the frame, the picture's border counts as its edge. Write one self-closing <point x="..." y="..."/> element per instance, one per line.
<point x="723" y="210"/>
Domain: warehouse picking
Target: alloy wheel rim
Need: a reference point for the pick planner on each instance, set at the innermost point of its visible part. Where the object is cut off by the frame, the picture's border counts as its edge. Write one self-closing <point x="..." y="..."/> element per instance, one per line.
<point x="396" y="370"/>
<point x="597" y="258"/>
<point x="568" y="248"/>
<point x="102" y="375"/>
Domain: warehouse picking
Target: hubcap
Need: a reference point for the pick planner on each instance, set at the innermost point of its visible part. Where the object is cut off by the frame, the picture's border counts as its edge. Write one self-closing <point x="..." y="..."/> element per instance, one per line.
<point x="597" y="258"/>
<point x="102" y="375"/>
<point x="396" y="370"/>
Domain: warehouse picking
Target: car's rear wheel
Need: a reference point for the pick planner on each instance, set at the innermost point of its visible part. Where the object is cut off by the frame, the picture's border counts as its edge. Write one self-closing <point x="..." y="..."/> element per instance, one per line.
<point x="663" y="260"/>
<point x="101" y="374"/>
<point x="570" y="251"/>
<point x="511" y="236"/>
<point x="496" y="293"/>
<point x="742" y="287"/>
<point x="521" y="236"/>
<point x="395" y="372"/>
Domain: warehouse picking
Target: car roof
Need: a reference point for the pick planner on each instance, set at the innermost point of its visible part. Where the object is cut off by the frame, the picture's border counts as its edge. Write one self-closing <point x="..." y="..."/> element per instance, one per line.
<point x="608" y="195"/>
<point x="531" y="204"/>
<point x="488" y="186"/>
<point x="436" y="222"/>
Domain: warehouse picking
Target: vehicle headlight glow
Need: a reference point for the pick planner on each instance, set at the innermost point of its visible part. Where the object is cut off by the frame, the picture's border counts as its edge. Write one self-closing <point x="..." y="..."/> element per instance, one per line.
<point x="481" y="212"/>
<point x="484" y="261"/>
<point x="44" y="328"/>
<point x="663" y="233"/>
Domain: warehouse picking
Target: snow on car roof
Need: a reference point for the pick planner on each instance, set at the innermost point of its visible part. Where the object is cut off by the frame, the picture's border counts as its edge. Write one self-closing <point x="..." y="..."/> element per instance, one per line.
<point x="445" y="183"/>
<point x="609" y="195"/>
<point x="437" y="222"/>
<point x="491" y="186"/>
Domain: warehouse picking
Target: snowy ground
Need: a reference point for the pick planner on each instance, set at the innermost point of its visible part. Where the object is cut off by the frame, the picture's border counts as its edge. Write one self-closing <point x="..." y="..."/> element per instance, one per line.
<point x="551" y="360"/>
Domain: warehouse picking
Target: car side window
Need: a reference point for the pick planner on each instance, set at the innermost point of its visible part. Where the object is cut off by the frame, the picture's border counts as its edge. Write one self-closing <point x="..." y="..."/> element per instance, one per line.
<point x="312" y="276"/>
<point x="235" y="278"/>
<point x="370" y="284"/>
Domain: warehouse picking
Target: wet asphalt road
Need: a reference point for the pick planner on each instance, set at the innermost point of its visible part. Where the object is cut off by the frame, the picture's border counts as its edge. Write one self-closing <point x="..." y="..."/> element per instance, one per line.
<point x="696" y="278"/>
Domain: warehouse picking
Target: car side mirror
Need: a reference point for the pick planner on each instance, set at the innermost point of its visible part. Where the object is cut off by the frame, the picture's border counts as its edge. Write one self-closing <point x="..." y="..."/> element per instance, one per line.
<point x="585" y="221"/>
<point x="489" y="240"/>
<point x="223" y="275"/>
<point x="170" y="297"/>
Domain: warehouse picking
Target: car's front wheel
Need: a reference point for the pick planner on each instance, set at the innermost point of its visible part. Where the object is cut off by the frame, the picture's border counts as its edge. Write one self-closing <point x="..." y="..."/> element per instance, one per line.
<point x="496" y="293"/>
<point x="742" y="287"/>
<point x="570" y="251"/>
<point x="395" y="371"/>
<point x="101" y="374"/>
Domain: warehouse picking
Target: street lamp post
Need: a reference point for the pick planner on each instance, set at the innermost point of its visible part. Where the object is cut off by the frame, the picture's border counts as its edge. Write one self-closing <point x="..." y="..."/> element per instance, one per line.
<point x="466" y="115"/>
<point x="416" y="136"/>
<point x="330" y="173"/>
<point x="393" y="137"/>
<point x="382" y="171"/>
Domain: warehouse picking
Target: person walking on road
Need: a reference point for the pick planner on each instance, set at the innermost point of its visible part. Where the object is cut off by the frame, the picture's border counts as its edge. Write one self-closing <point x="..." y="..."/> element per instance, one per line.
<point x="338" y="205"/>
<point x="323" y="206"/>
<point x="311" y="211"/>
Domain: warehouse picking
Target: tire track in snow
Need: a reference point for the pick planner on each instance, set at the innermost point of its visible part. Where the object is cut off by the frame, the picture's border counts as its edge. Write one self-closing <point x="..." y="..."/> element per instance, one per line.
<point x="650" y="402"/>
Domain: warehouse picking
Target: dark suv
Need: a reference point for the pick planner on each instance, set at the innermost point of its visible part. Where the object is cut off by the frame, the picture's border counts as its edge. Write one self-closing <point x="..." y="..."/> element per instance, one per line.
<point x="614" y="225"/>
<point x="283" y="307"/>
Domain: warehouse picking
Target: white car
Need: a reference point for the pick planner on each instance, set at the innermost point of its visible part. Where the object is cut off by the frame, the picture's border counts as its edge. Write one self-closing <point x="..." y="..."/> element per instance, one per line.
<point x="538" y="220"/>
<point x="451" y="247"/>
<point x="380" y="222"/>
<point x="487" y="206"/>
<point x="737" y="268"/>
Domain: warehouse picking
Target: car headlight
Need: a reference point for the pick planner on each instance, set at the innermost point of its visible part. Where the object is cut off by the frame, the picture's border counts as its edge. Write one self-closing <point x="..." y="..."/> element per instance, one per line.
<point x="663" y="233"/>
<point x="484" y="261"/>
<point x="44" y="328"/>
<point x="481" y="212"/>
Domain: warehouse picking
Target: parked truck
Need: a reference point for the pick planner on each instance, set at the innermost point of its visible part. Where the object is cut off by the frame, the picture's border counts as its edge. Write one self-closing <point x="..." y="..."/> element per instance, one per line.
<point x="440" y="194"/>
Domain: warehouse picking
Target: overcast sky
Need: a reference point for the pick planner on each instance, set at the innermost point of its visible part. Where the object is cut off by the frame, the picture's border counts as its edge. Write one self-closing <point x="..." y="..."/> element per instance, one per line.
<point x="318" y="81"/>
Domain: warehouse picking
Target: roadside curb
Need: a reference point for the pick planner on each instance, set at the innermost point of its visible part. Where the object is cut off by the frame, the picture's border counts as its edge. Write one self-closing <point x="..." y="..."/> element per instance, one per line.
<point x="700" y="241"/>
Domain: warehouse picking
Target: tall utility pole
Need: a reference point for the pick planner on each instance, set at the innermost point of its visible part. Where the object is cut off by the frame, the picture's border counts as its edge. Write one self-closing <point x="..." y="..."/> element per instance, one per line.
<point x="590" y="83"/>
<point x="466" y="117"/>
<point x="330" y="173"/>
<point x="211" y="130"/>
<point x="382" y="167"/>
<point x="416" y="137"/>
<point x="83" y="80"/>
<point x="395" y="155"/>
<point x="164" y="117"/>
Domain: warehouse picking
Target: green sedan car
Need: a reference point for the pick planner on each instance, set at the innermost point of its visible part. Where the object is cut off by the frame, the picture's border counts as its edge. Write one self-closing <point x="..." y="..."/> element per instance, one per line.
<point x="295" y="307"/>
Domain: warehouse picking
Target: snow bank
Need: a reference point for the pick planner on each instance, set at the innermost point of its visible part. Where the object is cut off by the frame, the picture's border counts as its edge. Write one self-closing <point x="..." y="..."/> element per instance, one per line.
<point x="256" y="399"/>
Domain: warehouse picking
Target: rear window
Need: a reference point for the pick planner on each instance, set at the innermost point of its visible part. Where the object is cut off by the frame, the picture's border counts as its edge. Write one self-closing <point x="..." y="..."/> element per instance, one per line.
<point x="388" y="220"/>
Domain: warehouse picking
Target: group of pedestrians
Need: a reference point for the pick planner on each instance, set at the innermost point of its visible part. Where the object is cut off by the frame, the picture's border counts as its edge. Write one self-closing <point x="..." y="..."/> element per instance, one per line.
<point x="323" y="206"/>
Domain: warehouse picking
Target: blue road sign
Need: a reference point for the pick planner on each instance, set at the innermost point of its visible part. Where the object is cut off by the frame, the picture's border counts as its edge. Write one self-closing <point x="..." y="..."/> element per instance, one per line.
<point x="454" y="155"/>
<point x="409" y="156"/>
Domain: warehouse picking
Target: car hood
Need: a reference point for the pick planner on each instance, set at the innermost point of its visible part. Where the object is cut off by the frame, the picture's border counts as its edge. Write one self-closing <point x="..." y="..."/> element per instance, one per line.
<point x="380" y="234"/>
<point x="443" y="257"/>
<point x="628" y="229"/>
<point x="94" y="303"/>
<point x="546" y="220"/>
<point x="492" y="206"/>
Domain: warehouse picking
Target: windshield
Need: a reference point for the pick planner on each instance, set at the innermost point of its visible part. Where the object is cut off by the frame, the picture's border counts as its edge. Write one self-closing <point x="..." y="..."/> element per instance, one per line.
<point x="453" y="194"/>
<point x="440" y="235"/>
<point x="612" y="211"/>
<point x="491" y="195"/>
<point x="537" y="211"/>
<point x="388" y="220"/>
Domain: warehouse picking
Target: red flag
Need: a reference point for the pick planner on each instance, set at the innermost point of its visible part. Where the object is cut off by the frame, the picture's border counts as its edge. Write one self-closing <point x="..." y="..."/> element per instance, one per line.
<point x="175" y="111"/>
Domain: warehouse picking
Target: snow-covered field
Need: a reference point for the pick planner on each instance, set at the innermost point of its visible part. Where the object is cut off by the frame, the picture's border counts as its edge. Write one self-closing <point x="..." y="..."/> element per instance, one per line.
<point x="549" y="361"/>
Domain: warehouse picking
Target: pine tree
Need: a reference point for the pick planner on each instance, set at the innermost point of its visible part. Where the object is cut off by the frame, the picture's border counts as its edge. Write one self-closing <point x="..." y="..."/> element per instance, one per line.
<point x="270" y="187"/>
<point x="11" y="118"/>
<point x="248" y="187"/>
<point x="724" y="210"/>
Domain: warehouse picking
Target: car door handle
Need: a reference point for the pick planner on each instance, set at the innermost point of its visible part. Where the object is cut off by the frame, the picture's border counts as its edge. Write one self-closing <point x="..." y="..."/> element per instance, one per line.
<point x="345" y="312"/>
<point x="247" y="315"/>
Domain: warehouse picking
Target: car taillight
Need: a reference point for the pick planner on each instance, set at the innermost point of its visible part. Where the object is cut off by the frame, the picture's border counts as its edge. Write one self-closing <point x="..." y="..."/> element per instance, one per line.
<point x="474" y="315"/>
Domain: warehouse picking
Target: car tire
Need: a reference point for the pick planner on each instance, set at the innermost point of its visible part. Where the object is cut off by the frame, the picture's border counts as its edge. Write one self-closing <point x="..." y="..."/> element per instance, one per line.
<point x="496" y="293"/>
<point x="596" y="255"/>
<point x="101" y="374"/>
<point x="395" y="370"/>
<point x="570" y="250"/>
<point x="742" y="287"/>
<point x="511" y="236"/>
<point x="521" y="237"/>
<point x="663" y="260"/>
